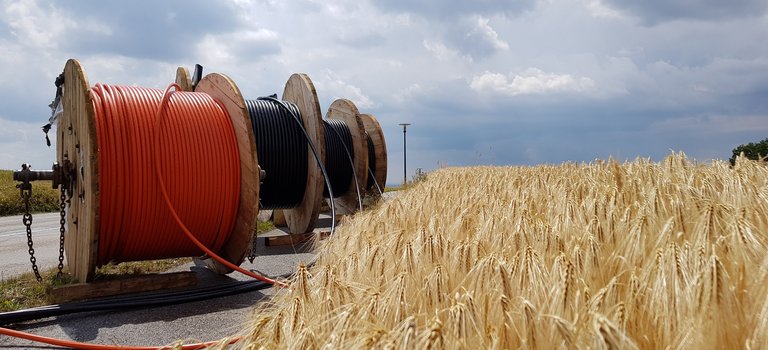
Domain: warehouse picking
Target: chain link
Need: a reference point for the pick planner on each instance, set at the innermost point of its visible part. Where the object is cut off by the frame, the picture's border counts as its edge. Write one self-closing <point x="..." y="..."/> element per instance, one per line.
<point x="252" y="253"/>
<point x="26" y="193"/>
<point x="63" y="221"/>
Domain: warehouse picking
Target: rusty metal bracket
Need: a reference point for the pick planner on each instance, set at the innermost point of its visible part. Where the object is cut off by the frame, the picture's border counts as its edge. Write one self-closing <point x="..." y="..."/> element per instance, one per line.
<point x="59" y="175"/>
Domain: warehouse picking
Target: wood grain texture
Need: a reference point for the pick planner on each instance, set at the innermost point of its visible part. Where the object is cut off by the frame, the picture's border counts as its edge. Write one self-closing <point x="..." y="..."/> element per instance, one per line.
<point x="77" y="142"/>
<point x="183" y="79"/>
<point x="223" y="89"/>
<point x="373" y="128"/>
<point x="133" y="284"/>
<point x="295" y="238"/>
<point x="346" y="111"/>
<point x="300" y="91"/>
<point x="278" y="218"/>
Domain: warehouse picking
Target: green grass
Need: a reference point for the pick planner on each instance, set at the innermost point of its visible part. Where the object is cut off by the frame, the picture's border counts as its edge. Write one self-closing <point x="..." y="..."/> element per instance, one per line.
<point x="419" y="177"/>
<point x="133" y="268"/>
<point x="24" y="291"/>
<point x="264" y="226"/>
<point x="44" y="198"/>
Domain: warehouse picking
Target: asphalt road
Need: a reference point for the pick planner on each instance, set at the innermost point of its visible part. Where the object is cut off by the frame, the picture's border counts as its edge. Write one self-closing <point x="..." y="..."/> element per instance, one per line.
<point x="198" y="321"/>
<point x="14" y="253"/>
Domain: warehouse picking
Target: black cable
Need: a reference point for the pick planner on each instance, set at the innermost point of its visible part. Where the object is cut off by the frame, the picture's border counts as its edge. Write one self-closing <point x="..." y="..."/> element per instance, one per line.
<point x="160" y="299"/>
<point x="312" y="146"/>
<point x="132" y="302"/>
<point x="337" y="137"/>
<point x="371" y="161"/>
<point x="343" y="140"/>
<point x="282" y="153"/>
<point x="378" y="188"/>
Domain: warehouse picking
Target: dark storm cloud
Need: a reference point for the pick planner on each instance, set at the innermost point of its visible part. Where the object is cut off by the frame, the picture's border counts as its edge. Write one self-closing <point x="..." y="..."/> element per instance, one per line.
<point x="452" y="9"/>
<point x="162" y="30"/>
<point x="658" y="11"/>
<point x="481" y="129"/>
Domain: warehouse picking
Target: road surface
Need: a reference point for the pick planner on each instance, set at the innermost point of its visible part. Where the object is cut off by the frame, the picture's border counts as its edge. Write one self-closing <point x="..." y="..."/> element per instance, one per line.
<point x="199" y="321"/>
<point x="14" y="254"/>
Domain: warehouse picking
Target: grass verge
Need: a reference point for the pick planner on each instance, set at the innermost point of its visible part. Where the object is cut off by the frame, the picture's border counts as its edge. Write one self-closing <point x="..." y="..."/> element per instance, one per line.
<point x="44" y="197"/>
<point x="22" y="292"/>
<point x="264" y="226"/>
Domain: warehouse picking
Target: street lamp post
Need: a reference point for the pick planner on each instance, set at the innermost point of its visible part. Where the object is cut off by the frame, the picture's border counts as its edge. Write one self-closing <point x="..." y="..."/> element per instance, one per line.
<point x="405" y="173"/>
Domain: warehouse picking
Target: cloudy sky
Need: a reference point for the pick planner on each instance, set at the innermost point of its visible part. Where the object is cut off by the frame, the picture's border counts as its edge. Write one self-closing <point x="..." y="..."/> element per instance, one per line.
<point x="482" y="82"/>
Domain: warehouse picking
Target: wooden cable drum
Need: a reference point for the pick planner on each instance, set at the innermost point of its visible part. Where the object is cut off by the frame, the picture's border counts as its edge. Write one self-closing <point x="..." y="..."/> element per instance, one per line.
<point x="378" y="163"/>
<point x="183" y="79"/>
<point x="343" y="130"/>
<point x="92" y="153"/>
<point x="223" y="89"/>
<point x="346" y="112"/>
<point x="300" y="206"/>
<point x="300" y="91"/>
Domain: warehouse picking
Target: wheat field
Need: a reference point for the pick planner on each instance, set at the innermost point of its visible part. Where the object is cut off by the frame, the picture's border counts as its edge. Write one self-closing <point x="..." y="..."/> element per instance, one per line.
<point x="605" y="255"/>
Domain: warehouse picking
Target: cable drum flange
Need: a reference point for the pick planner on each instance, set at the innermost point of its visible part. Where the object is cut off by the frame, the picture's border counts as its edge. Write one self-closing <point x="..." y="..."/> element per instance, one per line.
<point x="300" y="91"/>
<point x="371" y="162"/>
<point x="377" y="164"/>
<point x="78" y="141"/>
<point x="345" y="111"/>
<point x="224" y="90"/>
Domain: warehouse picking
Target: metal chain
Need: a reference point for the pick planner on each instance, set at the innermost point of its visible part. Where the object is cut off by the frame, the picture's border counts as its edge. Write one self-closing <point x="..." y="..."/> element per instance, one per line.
<point x="63" y="213"/>
<point x="26" y="193"/>
<point x="252" y="253"/>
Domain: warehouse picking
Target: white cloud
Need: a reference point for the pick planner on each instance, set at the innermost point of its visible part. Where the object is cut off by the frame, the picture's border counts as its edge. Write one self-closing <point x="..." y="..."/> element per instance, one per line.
<point x="440" y="50"/>
<point x="22" y="142"/>
<point x="408" y="93"/>
<point x="337" y="88"/>
<point x="43" y="26"/>
<point x="483" y="31"/>
<point x="474" y="37"/>
<point x="530" y="81"/>
<point x="434" y="63"/>
<point x="598" y="10"/>
<point x="33" y="25"/>
<point x="242" y="46"/>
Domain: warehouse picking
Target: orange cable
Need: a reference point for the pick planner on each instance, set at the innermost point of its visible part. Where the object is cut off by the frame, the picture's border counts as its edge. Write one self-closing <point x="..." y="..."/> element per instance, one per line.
<point x="195" y="178"/>
<point x="87" y="346"/>
<point x="169" y="203"/>
<point x="124" y="129"/>
<point x="201" y="165"/>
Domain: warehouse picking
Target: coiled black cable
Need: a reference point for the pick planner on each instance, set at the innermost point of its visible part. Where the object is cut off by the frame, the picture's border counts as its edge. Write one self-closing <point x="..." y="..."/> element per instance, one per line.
<point x="296" y="115"/>
<point x="371" y="163"/>
<point x="282" y="153"/>
<point x="338" y="139"/>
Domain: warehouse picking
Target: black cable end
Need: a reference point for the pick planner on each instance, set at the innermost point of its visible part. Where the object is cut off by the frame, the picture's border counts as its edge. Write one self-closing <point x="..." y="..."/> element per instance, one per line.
<point x="46" y="129"/>
<point x="197" y="75"/>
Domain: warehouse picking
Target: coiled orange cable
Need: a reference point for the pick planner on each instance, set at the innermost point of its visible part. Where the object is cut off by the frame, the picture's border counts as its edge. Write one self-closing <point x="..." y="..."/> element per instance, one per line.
<point x="197" y="148"/>
<point x="195" y="168"/>
<point x="162" y="156"/>
<point x="169" y="203"/>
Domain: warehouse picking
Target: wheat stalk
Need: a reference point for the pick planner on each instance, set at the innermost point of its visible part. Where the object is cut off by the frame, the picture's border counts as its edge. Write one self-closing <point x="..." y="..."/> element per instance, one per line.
<point x="572" y="256"/>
